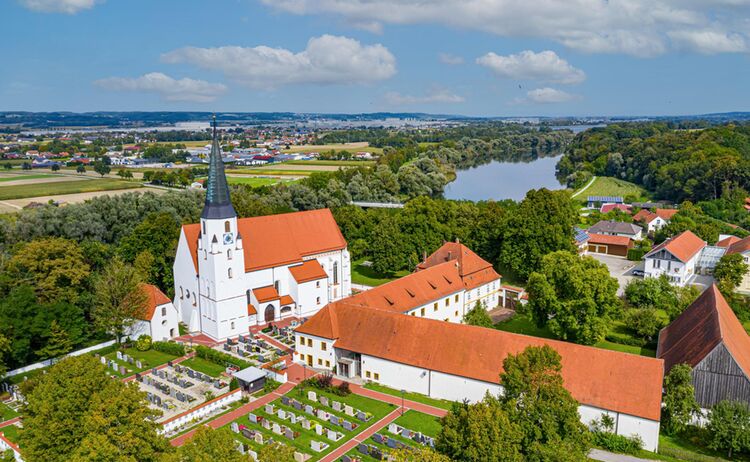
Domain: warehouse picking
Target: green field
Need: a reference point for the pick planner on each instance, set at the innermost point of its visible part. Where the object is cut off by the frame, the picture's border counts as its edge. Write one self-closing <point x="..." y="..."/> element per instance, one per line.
<point x="64" y="187"/>
<point x="271" y="171"/>
<point x="608" y="186"/>
<point x="367" y="276"/>
<point x="418" y="397"/>
<point x="419" y="422"/>
<point x="357" y="147"/>
<point x="335" y="163"/>
<point x="30" y="176"/>
<point x="255" y="181"/>
<point x="203" y="366"/>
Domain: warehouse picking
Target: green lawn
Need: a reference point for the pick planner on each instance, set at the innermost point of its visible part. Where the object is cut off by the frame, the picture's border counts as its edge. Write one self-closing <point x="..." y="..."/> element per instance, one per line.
<point x="419" y="422"/>
<point x="685" y="448"/>
<point x="7" y="413"/>
<point x="64" y="187"/>
<point x="608" y="186"/>
<point x="521" y="324"/>
<point x="367" y="276"/>
<point x="418" y="397"/>
<point x="206" y="367"/>
<point x="31" y="176"/>
<point x="150" y="358"/>
<point x="255" y="181"/>
<point x="11" y="432"/>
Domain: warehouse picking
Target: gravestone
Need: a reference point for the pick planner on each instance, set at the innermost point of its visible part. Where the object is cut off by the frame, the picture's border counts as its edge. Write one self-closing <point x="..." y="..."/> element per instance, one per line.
<point x="334" y="419"/>
<point x="285" y="400"/>
<point x="299" y="457"/>
<point x="309" y="409"/>
<point x="332" y="435"/>
<point x="281" y="414"/>
<point x="235" y="427"/>
<point x="265" y="423"/>
<point x="363" y="449"/>
<point x="123" y="371"/>
<point x="348" y="410"/>
<point x="323" y="400"/>
<point x="297" y="405"/>
<point x="259" y="438"/>
<point x="406" y="433"/>
<point x="393" y="428"/>
<point x="139" y="364"/>
<point x="361" y="416"/>
<point x="318" y="446"/>
<point x="323" y="415"/>
<point x="306" y="424"/>
<point x="378" y="438"/>
<point x="103" y="360"/>
<point x="276" y="428"/>
<point x="312" y="396"/>
<point x="337" y="406"/>
<point x="348" y="425"/>
<point x="119" y="354"/>
<point x="292" y="418"/>
<point x="253" y="418"/>
<point x="289" y="433"/>
<point x="269" y="408"/>
<point x="318" y="429"/>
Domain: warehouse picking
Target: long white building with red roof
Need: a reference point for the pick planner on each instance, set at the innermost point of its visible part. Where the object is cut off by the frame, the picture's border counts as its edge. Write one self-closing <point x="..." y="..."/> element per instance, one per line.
<point x="231" y="273"/>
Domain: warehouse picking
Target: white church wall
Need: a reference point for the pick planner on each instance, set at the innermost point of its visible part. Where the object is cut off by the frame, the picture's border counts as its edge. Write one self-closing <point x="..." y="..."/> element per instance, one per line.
<point x="185" y="284"/>
<point x="311" y="297"/>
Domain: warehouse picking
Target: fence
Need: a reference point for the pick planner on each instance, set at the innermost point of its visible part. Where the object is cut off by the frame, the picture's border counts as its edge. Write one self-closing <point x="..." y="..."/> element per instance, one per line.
<point x="200" y="412"/>
<point x="49" y="362"/>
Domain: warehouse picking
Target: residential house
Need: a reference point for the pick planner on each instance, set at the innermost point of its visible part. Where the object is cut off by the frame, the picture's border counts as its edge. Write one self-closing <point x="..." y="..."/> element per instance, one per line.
<point x="656" y="220"/>
<point x="709" y="338"/>
<point x="617" y="228"/>
<point x="677" y="258"/>
<point x="606" y="208"/>
<point x="581" y="238"/>
<point x="160" y="319"/>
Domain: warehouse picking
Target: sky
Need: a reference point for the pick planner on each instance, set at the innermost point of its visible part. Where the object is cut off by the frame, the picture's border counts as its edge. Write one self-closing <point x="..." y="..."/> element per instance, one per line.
<point x="468" y="57"/>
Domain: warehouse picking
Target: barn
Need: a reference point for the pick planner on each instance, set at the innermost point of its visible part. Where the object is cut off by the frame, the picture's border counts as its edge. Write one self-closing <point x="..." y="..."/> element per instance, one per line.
<point x="609" y="245"/>
<point x="709" y="337"/>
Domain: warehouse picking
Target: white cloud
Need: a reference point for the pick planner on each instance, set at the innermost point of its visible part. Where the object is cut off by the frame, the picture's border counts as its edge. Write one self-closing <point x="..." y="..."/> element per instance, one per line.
<point x="59" y="6"/>
<point x="197" y="91"/>
<point x="451" y="60"/>
<point x="436" y="95"/>
<point x="634" y="27"/>
<point x="326" y="60"/>
<point x="547" y="95"/>
<point x="544" y="66"/>
<point x="710" y="41"/>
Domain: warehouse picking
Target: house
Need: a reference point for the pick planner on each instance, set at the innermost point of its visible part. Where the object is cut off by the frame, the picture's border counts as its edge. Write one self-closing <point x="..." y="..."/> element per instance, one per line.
<point x="741" y="246"/>
<point x="656" y="220"/>
<point x="726" y="240"/>
<point x="230" y="273"/>
<point x="709" y="338"/>
<point x="461" y="362"/>
<point x="609" y="245"/>
<point x="676" y="258"/>
<point x="595" y="202"/>
<point x="617" y="228"/>
<point x="160" y="319"/>
<point x="606" y="208"/>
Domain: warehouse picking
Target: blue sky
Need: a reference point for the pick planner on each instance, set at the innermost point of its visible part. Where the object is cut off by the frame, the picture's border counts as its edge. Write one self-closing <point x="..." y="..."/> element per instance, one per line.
<point x="472" y="57"/>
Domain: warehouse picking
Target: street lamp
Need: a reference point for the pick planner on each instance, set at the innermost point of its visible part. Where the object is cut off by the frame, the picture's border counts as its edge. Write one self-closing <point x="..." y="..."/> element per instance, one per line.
<point x="402" y="401"/>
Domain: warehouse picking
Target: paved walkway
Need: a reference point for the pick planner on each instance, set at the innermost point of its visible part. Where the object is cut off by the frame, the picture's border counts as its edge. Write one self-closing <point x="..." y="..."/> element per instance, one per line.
<point x="606" y="456"/>
<point x="408" y="404"/>
<point x="352" y="443"/>
<point x="282" y="346"/>
<point x="10" y="422"/>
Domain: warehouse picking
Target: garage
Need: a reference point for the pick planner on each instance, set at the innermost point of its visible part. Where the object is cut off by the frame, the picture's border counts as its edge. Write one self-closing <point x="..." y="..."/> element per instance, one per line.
<point x="609" y="245"/>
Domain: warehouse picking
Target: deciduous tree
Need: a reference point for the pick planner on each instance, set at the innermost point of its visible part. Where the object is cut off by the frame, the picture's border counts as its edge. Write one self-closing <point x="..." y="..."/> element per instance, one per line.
<point x="729" y="427"/>
<point x="680" y="406"/>
<point x="276" y="452"/>
<point x="120" y="298"/>
<point x="57" y="342"/>
<point x="729" y="271"/>
<point x="209" y="445"/>
<point x="478" y="316"/>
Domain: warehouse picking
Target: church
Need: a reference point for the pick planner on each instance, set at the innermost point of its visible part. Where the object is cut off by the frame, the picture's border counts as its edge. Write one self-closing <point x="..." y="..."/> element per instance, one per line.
<point x="232" y="273"/>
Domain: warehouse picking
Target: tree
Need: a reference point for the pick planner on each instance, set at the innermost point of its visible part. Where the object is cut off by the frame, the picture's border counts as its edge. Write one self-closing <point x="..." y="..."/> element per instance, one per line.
<point x="76" y="412"/>
<point x="102" y="168"/>
<point x="8" y="456"/>
<point x="680" y="406"/>
<point x="478" y="316"/>
<point x="729" y="427"/>
<point x="545" y="412"/>
<point x="4" y="348"/>
<point x="156" y="234"/>
<point x="574" y="296"/>
<point x="421" y="454"/>
<point x="276" y="452"/>
<point x="54" y="267"/>
<point x="209" y="445"/>
<point x="81" y="168"/>
<point x="729" y="271"/>
<point x="58" y="342"/>
<point x="542" y="223"/>
<point x="120" y="298"/>
<point x="7" y="166"/>
<point x="388" y="247"/>
<point x="124" y="173"/>
<point x="55" y="167"/>
<point x="479" y="432"/>
<point x="644" y="322"/>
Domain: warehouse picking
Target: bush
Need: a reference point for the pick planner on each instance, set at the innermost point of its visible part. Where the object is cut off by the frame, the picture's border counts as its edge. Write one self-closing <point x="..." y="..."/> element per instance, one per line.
<point x="343" y="389"/>
<point x="617" y="443"/>
<point x="143" y="343"/>
<point x="636" y="254"/>
<point x="234" y="384"/>
<point x="171" y="348"/>
<point x="625" y="340"/>
<point x="270" y="385"/>
<point x="220" y="358"/>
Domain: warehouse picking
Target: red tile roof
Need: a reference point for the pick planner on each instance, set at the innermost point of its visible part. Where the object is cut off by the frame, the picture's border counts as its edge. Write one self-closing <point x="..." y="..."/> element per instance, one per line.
<point x="609" y="207"/>
<point x="473" y="269"/>
<point x="741" y="246"/>
<point x="266" y="294"/>
<point x="310" y="270"/>
<point x="276" y="240"/>
<point x="728" y="241"/>
<point x="645" y="216"/>
<point x="251" y="309"/>
<point x="684" y="246"/>
<point x="155" y="298"/>
<point x="708" y="321"/>
<point x="610" y="240"/>
<point x="286" y="300"/>
<point x="666" y="214"/>
<point x="605" y="379"/>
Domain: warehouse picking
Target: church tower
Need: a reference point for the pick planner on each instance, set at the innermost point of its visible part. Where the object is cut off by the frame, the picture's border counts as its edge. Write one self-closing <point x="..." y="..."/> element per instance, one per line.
<point x="221" y="259"/>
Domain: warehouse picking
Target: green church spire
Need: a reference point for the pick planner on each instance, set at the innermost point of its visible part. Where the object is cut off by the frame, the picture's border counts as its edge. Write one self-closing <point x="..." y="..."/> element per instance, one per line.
<point x="218" y="204"/>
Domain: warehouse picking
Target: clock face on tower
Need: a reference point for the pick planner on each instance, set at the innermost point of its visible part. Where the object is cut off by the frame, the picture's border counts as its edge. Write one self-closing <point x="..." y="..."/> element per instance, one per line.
<point x="228" y="238"/>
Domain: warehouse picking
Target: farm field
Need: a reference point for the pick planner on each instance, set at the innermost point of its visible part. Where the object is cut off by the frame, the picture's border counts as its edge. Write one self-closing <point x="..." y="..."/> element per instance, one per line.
<point x="269" y="171"/>
<point x="608" y="186"/>
<point x="4" y="177"/>
<point x="338" y="163"/>
<point x="351" y="147"/>
<point x="14" y="205"/>
<point x="255" y="181"/>
<point x="64" y="187"/>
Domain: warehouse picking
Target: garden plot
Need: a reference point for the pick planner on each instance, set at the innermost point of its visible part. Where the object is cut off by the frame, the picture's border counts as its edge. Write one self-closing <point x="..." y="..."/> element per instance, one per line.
<point x="313" y="423"/>
<point x="176" y="389"/>
<point x="410" y="431"/>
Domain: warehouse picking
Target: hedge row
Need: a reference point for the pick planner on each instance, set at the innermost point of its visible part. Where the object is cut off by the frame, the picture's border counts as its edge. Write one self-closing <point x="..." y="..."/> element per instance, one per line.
<point x="171" y="348"/>
<point x="618" y="443"/>
<point x="220" y="358"/>
<point x="636" y="254"/>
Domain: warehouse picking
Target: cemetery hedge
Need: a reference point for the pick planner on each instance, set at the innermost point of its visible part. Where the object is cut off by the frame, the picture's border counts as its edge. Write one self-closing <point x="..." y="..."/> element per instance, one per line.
<point x="171" y="348"/>
<point x="217" y="357"/>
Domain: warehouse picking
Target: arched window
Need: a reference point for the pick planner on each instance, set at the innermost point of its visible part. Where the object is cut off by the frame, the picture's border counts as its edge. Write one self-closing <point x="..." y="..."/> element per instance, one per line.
<point x="229" y="273"/>
<point x="195" y="300"/>
<point x="226" y="226"/>
<point x="204" y="227"/>
<point x="229" y="254"/>
<point x="248" y="296"/>
<point x="182" y="294"/>
<point x="335" y="272"/>
<point x="163" y="311"/>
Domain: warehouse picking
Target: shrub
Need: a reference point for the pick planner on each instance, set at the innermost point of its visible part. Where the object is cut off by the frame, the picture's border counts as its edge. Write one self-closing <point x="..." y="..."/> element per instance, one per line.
<point x="270" y="385"/>
<point x="143" y="343"/>
<point x="636" y="254"/>
<point x="220" y="358"/>
<point x="342" y="389"/>
<point x="171" y="348"/>
<point x="625" y="340"/>
<point x="617" y="443"/>
<point x="234" y="384"/>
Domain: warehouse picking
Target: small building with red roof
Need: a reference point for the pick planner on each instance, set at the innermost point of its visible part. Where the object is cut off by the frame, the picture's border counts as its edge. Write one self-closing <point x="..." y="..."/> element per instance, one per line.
<point x="159" y="318"/>
<point x="609" y="245"/>
<point x="676" y="258"/>
<point x="655" y="220"/>
<point x="742" y="247"/>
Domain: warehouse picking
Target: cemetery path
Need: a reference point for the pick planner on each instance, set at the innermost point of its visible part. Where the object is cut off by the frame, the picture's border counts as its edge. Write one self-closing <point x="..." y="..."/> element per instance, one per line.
<point x="408" y="404"/>
<point x="12" y="421"/>
<point x="274" y="342"/>
<point x="367" y="433"/>
<point x="237" y="413"/>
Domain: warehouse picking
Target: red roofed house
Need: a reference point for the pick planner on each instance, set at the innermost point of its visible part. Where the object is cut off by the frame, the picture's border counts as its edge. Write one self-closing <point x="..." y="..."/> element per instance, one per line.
<point x="654" y="221"/>
<point x="606" y="208"/>
<point x="456" y="362"/>
<point x="231" y="273"/>
<point x="609" y="245"/>
<point x="160" y="319"/>
<point x="676" y="258"/>
<point x="709" y="337"/>
<point x="741" y="246"/>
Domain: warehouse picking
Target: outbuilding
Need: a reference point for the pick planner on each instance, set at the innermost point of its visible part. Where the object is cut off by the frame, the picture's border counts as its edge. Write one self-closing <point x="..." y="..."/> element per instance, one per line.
<point x="609" y="245"/>
<point x="250" y="379"/>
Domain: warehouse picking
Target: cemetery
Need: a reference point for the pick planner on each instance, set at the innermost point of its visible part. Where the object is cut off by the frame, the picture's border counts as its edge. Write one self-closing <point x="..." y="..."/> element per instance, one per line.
<point x="409" y="431"/>
<point x="312" y="421"/>
<point x="9" y="410"/>
<point x="124" y="363"/>
<point x="177" y="388"/>
<point x="251" y="349"/>
<point x="284" y="335"/>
